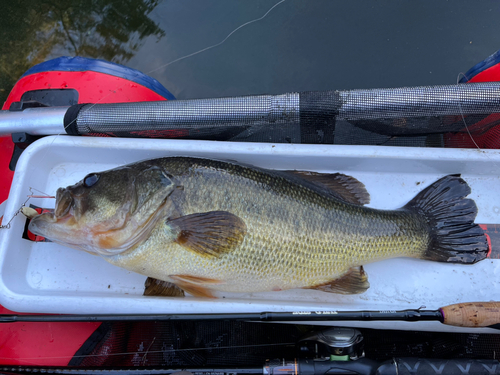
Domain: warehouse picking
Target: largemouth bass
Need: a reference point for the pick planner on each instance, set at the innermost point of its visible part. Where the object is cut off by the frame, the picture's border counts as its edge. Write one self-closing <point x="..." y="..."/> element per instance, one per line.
<point x="203" y="225"/>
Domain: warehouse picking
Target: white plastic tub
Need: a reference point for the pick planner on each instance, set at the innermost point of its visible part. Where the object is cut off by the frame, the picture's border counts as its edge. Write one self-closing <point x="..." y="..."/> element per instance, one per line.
<point x="50" y="278"/>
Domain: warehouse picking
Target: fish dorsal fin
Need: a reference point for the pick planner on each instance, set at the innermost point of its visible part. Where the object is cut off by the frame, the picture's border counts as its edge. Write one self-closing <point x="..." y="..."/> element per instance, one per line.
<point x="155" y="287"/>
<point x="355" y="281"/>
<point x="195" y="285"/>
<point x="344" y="187"/>
<point x="209" y="233"/>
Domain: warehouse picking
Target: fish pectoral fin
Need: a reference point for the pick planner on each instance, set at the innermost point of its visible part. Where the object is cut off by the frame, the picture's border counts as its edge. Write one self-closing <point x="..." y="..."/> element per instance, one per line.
<point x="344" y="187"/>
<point x="155" y="287"/>
<point x="210" y="233"/>
<point x="196" y="286"/>
<point x="355" y="281"/>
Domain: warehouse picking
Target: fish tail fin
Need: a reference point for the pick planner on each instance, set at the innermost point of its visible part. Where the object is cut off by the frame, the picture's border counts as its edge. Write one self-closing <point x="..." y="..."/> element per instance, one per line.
<point x="454" y="237"/>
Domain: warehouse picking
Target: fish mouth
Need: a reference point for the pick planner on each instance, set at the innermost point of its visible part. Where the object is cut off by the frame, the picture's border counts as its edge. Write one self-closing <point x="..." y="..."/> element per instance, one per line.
<point x="42" y="224"/>
<point x="56" y="225"/>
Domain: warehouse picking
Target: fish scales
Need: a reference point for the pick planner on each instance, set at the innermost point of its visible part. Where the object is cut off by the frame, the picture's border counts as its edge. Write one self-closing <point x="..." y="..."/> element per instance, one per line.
<point x="296" y="236"/>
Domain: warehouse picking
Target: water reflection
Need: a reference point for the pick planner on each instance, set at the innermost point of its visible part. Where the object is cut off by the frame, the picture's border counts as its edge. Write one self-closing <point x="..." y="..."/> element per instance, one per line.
<point x="35" y="31"/>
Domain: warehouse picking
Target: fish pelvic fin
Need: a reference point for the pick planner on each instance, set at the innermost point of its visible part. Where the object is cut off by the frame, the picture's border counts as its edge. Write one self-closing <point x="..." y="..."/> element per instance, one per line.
<point x="355" y="281"/>
<point x="209" y="233"/>
<point x="343" y="187"/>
<point x="454" y="237"/>
<point x="155" y="287"/>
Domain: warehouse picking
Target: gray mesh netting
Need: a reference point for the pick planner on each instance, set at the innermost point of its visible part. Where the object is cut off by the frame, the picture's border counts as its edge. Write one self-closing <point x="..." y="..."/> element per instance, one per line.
<point x="462" y="115"/>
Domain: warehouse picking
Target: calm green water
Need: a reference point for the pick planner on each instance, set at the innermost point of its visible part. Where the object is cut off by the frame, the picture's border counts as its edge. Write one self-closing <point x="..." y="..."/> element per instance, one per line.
<point x="300" y="45"/>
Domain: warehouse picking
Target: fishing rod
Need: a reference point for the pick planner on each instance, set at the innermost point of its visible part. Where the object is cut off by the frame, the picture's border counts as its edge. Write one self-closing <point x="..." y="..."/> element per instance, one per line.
<point x="224" y="118"/>
<point x="473" y="314"/>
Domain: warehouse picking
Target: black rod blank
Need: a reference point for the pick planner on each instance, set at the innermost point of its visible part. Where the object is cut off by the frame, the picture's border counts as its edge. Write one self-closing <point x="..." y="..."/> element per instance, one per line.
<point x="404" y="315"/>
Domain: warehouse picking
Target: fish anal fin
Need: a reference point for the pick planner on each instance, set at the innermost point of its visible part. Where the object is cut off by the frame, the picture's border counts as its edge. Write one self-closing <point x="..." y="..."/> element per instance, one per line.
<point x="155" y="287"/>
<point x="344" y="187"/>
<point x="355" y="281"/>
<point x="210" y="233"/>
<point x="196" y="286"/>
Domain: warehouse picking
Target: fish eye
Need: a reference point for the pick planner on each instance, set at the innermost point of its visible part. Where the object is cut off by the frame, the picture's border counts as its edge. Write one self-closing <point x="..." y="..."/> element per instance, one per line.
<point x="90" y="180"/>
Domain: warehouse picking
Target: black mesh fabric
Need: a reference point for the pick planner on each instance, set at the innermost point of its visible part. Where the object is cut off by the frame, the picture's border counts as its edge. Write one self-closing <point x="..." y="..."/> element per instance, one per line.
<point x="186" y="344"/>
<point x="231" y="343"/>
<point x="382" y="345"/>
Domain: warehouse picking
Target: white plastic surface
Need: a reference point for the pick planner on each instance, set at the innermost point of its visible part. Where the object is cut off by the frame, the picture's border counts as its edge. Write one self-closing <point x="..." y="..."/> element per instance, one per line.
<point x="50" y="278"/>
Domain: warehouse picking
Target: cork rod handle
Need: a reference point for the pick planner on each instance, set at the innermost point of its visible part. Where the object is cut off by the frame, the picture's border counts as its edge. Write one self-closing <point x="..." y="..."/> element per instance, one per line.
<point x="472" y="314"/>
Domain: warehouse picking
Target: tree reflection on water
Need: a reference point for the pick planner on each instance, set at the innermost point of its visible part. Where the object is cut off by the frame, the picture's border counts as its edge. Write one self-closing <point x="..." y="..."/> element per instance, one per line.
<point x="34" y="31"/>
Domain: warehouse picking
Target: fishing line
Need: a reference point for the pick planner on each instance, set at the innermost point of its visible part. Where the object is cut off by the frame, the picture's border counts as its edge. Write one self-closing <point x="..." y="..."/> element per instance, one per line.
<point x="184" y="57"/>
<point x="218" y="44"/>
<point x="463" y="117"/>
<point x="43" y="153"/>
<point x="153" y="351"/>
<point x="147" y="351"/>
